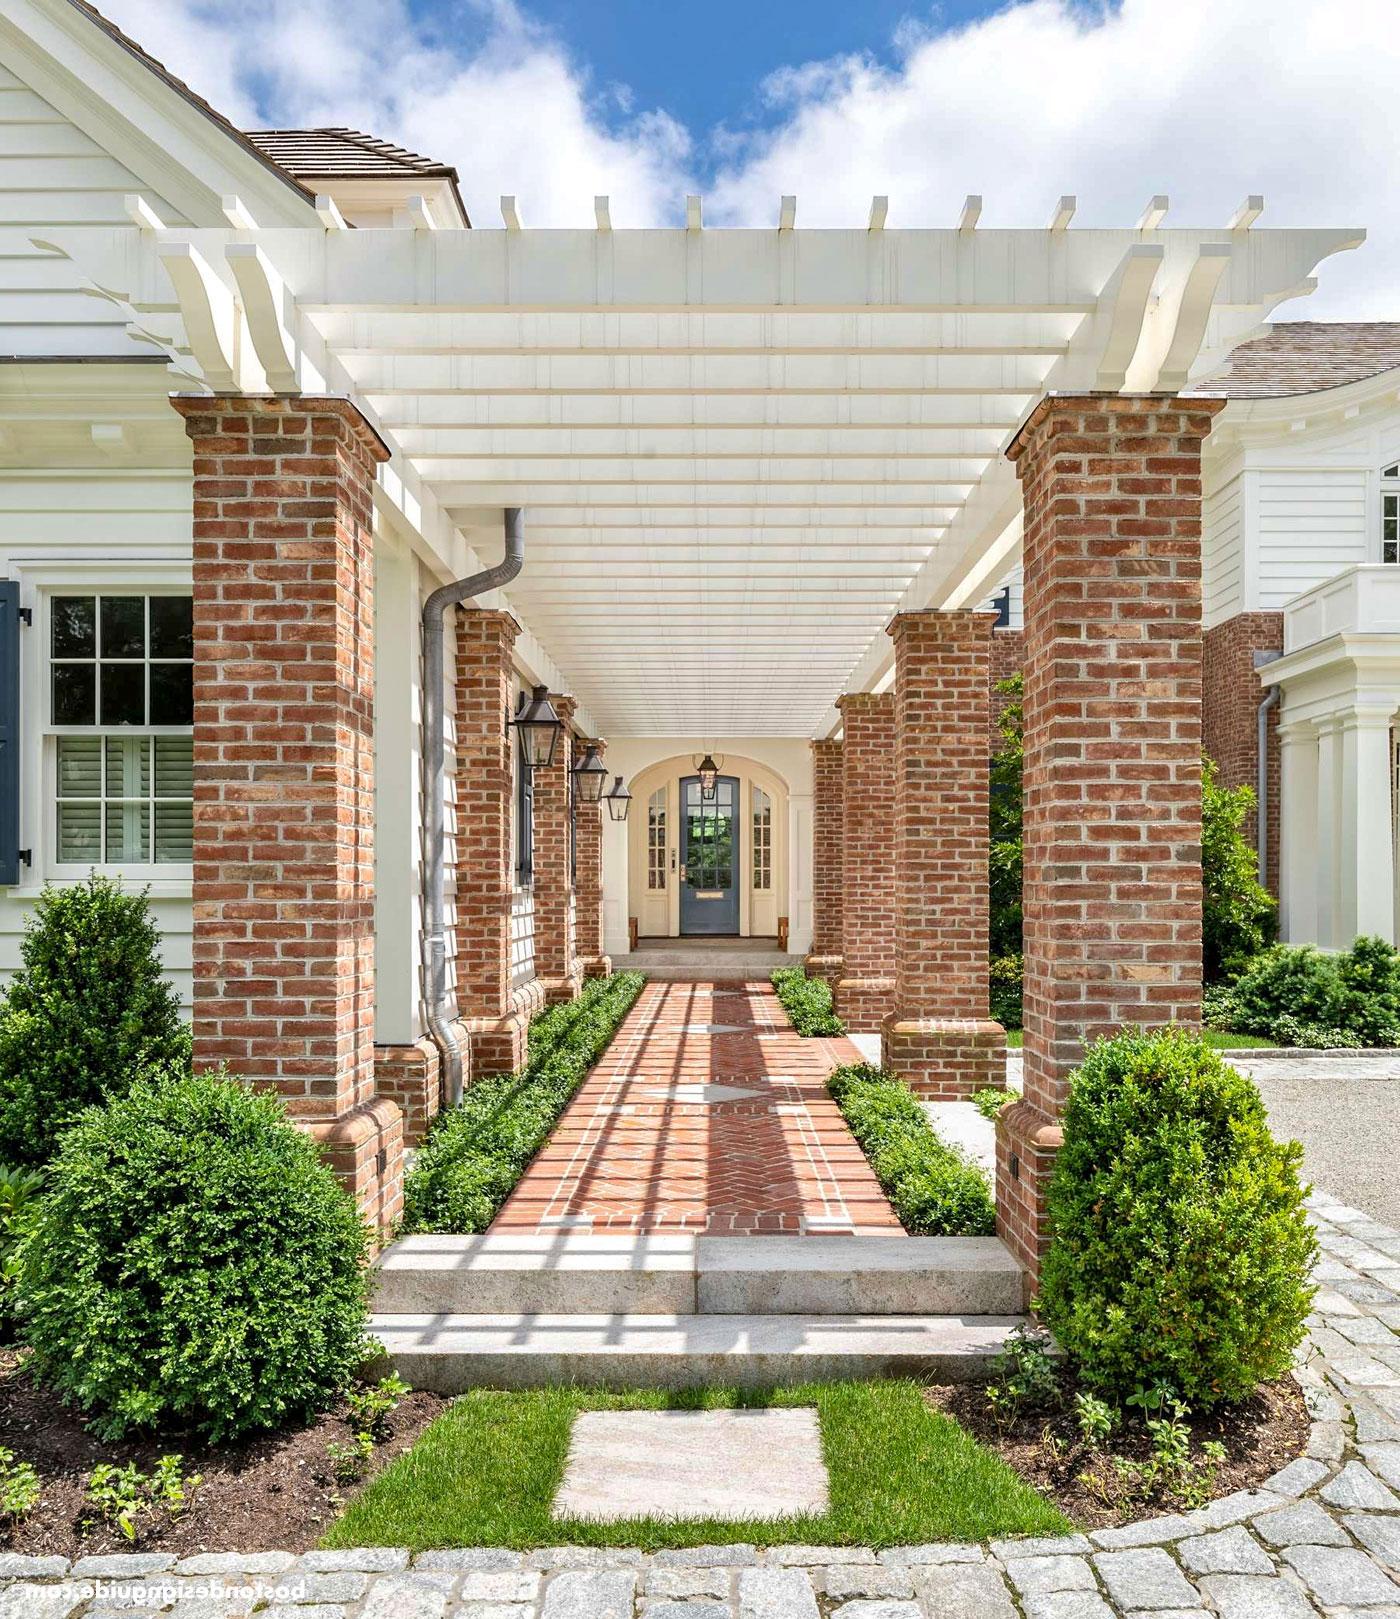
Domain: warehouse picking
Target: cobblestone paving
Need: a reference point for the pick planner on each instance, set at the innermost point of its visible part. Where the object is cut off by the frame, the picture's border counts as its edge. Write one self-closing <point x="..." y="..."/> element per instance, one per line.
<point x="1322" y="1539"/>
<point x="707" y="1114"/>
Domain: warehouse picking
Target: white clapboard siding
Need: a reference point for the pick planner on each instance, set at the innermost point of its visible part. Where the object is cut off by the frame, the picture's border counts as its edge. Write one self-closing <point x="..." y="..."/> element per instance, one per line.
<point x="1222" y="551"/>
<point x="1310" y="525"/>
<point x="52" y="174"/>
<point x="101" y="514"/>
<point x="128" y="515"/>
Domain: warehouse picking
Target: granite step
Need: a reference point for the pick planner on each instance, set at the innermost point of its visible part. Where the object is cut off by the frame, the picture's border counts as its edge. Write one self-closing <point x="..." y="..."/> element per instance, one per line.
<point x="572" y="1273"/>
<point x="452" y="1353"/>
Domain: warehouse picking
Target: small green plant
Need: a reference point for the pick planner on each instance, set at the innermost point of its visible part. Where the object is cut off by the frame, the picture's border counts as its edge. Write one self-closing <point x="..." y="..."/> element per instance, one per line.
<point x="933" y="1189"/>
<point x="477" y="1151"/>
<point x="1239" y="918"/>
<point x="19" y="1486"/>
<point x="990" y="1102"/>
<point x="1181" y="1249"/>
<point x="372" y="1406"/>
<point x="125" y="1495"/>
<point x="350" y="1462"/>
<point x="1096" y="1418"/>
<point x="807" y="1002"/>
<point x="1004" y="982"/>
<point x="1025" y="1375"/>
<point x="87" y="1015"/>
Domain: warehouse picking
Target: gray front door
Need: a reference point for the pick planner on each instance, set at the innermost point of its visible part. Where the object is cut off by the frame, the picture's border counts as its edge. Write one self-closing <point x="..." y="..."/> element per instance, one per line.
<point x="710" y="857"/>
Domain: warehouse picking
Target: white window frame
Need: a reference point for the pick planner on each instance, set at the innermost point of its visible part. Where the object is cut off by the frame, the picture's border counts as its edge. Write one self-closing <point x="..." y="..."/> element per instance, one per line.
<point x="762" y="832"/>
<point x="39" y="584"/>
<point x="1389" y="491"/>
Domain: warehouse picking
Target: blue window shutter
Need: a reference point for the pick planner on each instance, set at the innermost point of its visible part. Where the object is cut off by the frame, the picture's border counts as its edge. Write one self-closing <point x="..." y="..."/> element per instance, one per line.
<point x="9" y="732"/>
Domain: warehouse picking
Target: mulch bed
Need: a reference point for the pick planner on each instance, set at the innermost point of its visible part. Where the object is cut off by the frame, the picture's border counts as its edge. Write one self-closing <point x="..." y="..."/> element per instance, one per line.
<point x="1260" y="1435"/>
<point x="276" y="1492"/>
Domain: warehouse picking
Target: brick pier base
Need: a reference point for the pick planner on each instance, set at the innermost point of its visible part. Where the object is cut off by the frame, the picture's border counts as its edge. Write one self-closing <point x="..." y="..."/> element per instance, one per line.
<point x="410" y="1076"/>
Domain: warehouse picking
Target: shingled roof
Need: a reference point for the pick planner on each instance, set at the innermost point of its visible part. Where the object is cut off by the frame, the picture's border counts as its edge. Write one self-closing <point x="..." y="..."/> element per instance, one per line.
<point x="1304" y="357"/>
<point x="343" y="154"/>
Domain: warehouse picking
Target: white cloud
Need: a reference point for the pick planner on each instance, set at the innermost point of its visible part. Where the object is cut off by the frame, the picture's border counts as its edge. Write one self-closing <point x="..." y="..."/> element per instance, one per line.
<point x="1206" y="100"/>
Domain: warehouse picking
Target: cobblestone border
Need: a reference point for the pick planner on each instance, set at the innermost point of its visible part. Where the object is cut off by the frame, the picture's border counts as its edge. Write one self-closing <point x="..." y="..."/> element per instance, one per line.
<point x="1322" y="1537"/>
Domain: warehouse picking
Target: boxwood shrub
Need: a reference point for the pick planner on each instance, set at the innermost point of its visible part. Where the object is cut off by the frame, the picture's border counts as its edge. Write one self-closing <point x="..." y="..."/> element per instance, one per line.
<point x="194" y="1267"/>
<point x="1301" y="996"/>
<point x="933" y="1189"/>
<point x="87" y="1013"/>
<point x="1180" y="1252"/>
<point x="807" y="1002"/>
<point x="476" y="1153"/>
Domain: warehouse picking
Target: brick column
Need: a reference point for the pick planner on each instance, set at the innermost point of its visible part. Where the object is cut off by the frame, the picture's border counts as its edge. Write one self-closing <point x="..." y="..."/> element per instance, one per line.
<point x="485" y="810"/>
<point x="283" y="943"/>
<point x="828" y="849"/>
<point x="1233" y="692"/>
<point x="556" y="958"/>
<point x="940" y="1036"/>
<point x="588" y="884"/>
<point x="865" y="990"/>
<point x="1112" y="492"/>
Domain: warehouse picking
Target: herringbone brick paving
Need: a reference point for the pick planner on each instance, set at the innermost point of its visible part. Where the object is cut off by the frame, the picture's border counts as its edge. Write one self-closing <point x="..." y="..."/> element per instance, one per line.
<point x="707" y="1114"/>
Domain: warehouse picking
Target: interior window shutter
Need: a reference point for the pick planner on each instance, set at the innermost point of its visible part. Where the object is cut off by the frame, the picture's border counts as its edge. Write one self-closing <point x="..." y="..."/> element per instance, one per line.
<point x="9" y="732"/>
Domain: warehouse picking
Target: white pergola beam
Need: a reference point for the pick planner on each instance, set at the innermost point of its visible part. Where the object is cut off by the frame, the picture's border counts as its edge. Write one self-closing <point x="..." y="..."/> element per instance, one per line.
<point x="141" y="214"/>
<point x="236" y="211"/>
<point x="971" y="213"/>
<point x="602" y="213"/>
<point x="510" y="214"/>
<point x="1154" y="214"/>
<point x="1248" y="211"/>
<point x="787" y="213"/>
<point x="329" y="213"/>
<point x="879" y="213"/>
<point x="694" y="213"/>
<point x="1064" y="212"/>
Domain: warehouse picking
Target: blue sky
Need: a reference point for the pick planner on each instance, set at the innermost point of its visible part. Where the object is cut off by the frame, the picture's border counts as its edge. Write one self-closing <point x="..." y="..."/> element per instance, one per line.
<point x="556" y="101"/>
<point x="706" y="63"/>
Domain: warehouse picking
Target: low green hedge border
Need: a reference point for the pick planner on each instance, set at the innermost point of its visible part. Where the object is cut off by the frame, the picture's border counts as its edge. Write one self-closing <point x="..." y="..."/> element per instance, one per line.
<point x="807" y="1002"/>
<point x="933" y="1189"/>
<point x="476" y="1153"/>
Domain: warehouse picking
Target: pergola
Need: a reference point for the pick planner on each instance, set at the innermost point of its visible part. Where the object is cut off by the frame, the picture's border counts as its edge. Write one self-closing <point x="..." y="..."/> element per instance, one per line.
<point x="740" y="451"/>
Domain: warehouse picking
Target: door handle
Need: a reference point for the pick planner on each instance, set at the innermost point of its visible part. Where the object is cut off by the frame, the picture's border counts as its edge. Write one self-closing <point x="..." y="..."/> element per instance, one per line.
<point x="684" y="876"/>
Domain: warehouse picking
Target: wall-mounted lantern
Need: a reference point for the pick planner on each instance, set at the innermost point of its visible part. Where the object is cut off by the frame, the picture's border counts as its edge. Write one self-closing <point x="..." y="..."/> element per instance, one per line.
<point x="538" y="727"/>
<point x="590" y="776"/>
<point x="618" y="800"/>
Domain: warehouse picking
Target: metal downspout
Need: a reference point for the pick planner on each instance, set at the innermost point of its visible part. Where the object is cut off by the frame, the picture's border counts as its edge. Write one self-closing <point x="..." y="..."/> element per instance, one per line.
<point x="1261" y="781"/>
<point x="460" y="591"/>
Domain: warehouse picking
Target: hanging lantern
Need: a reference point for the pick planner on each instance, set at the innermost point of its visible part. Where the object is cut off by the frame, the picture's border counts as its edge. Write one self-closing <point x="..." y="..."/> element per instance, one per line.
<point x="708" y="771"/>
<point x="590" y="776"/>
<point x="618" y="800"/>
<point x="539" y="728"/>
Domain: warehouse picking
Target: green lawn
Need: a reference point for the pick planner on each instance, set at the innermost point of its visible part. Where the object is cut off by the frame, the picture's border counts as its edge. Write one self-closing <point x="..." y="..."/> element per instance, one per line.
<point x="485" y="1474"/>
<point x="1214" y="1037"/>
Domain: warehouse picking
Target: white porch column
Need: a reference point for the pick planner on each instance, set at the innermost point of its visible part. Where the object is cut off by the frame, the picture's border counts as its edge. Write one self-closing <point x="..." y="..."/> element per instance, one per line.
<point x="1366" y="897"/>
<point x="1298" y="854"/>
<point x="1329" y="813"/>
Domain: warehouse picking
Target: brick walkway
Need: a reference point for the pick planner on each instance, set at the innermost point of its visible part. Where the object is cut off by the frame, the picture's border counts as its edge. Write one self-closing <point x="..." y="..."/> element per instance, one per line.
<point x="706" y="1114"/>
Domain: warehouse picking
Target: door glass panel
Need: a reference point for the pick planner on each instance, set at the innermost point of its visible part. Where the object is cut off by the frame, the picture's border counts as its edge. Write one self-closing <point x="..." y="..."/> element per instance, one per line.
<point x="710" y="837"/>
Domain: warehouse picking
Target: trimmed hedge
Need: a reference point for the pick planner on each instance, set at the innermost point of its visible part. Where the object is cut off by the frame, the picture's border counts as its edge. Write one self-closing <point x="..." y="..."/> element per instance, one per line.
<point x="933" y="1189"/>
<point x="807" y="1002"/>
<point x="193" y="1266"/>
<point x="1299" y="996"/>
<point x="476" y="1153"/>
<point x="1181" y="1248"/>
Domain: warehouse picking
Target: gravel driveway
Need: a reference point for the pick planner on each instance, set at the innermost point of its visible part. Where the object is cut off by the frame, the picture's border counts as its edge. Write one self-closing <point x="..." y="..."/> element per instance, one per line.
<point x="1346" y="1112"/>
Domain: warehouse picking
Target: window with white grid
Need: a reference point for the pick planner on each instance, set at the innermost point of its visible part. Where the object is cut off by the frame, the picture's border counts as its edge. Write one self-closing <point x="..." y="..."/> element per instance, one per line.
<point x="656" y="839"/>
<point x="762" y="841"/>
<point x="120" y="722"/>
